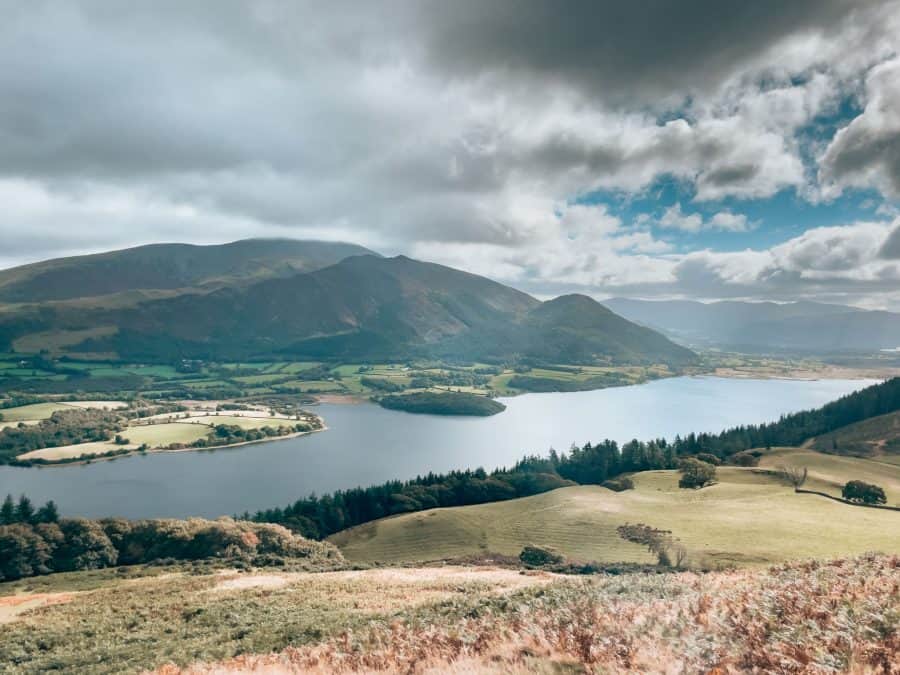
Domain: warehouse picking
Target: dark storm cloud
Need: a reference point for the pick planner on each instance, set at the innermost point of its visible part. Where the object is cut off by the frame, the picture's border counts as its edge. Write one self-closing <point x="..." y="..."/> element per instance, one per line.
<point x="891" y="248"/>
<point x="619" y="51"/>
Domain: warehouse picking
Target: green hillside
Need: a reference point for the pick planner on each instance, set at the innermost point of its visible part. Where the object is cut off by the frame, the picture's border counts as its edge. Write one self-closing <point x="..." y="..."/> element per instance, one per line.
<point x="749" y="517"/>
<point x="877" y="437"/>
<point x="167" y="267"/>
<point x="364" y="307"/>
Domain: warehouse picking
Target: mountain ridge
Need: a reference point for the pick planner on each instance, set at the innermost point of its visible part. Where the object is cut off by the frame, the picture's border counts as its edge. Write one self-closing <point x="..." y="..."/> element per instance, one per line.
<point x="167" y="266"/>
<point x="362" y="307"/>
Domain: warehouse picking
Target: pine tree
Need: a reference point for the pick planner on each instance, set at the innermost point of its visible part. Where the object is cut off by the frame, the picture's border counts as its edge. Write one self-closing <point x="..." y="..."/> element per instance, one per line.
<point x="7" y="511"/>
<point x="48" y="513"/>
<point x="24" y="510"/>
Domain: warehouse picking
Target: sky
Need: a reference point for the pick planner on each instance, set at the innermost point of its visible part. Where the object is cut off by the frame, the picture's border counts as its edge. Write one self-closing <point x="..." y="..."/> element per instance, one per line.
<point x="700" y="149"/>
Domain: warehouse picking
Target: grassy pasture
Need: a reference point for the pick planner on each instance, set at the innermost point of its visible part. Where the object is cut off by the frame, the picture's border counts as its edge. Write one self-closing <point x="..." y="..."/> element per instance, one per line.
<point x="161" y="435"/>
<point x="260" y="379"/>
<point x="243" y="421"/>
<point x="35" y="411"/>
<point x="311" y="385"/>
<point x="829" y="473"/>
<point x="749" y="518"/>
<point x="72" y="451"/>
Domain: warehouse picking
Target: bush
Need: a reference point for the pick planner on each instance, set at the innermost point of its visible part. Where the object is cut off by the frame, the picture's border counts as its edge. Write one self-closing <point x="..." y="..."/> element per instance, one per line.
<point x="708" y="458"/>
<point x="538" y="556"/>
<point x="745" y="458"/>
<point x="619" y="484"/>
<point x="863" y="493"/>
<point x="696" y="474"/>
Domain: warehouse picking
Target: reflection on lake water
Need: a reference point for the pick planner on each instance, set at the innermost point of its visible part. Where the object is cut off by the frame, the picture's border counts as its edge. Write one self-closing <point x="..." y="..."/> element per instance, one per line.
<point x="366" y="444"/>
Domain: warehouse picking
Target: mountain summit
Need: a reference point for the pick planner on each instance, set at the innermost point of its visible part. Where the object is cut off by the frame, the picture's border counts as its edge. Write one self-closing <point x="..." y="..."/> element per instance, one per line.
<point x="362" y="307"/>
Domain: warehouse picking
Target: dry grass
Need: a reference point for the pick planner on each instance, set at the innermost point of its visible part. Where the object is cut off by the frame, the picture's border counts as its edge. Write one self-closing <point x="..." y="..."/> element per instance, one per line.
<point x="810" y="617"/>
<point x="749" y="518"/>
<point x="877" y="437"/>
<point x="829" y="473"/>
<point x="131" y="624"/>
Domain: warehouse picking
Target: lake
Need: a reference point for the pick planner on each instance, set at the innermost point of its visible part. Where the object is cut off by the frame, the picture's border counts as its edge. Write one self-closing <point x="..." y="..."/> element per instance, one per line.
<point x="366" y="444"/>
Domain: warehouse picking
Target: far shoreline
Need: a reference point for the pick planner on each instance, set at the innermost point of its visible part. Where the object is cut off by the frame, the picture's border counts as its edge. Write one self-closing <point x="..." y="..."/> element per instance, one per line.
<point x="162" y="451"/>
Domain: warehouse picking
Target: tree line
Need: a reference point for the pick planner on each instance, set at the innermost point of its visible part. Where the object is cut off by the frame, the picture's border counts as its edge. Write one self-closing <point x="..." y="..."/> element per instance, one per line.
<point x="591" y="464"/>
<point x="31" y="547"/>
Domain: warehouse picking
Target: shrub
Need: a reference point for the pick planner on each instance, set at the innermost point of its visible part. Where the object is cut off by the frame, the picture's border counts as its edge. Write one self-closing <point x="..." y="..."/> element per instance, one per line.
<point x="85" y="546"/>
<point x="619" y="484"/>
<point x="864" y="493"/>
<point x="696" y="474"/>
<point x="539" y="556"/>
<point x="746" y="458"/>
<point x="708" y="458"/>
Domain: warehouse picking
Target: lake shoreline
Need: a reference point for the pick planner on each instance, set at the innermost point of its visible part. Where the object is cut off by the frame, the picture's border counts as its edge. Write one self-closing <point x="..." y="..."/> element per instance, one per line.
<point x="368" y="445"/>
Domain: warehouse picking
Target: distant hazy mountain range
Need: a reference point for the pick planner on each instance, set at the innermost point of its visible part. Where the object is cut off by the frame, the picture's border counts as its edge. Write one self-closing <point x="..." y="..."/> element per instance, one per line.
<point x="302" y="299"/>
<point x="766" y="326"/>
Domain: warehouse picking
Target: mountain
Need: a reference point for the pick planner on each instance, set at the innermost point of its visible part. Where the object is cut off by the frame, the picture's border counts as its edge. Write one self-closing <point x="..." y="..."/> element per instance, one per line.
<point x="577" y="328"/>
<point x="168" y="267"/>
<point x="363" y="307"/>
<point x="763" y="326"/>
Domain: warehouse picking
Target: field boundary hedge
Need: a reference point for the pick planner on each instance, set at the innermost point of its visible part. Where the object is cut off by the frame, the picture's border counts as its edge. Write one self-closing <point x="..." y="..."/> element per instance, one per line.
<point x="846" y="501"/>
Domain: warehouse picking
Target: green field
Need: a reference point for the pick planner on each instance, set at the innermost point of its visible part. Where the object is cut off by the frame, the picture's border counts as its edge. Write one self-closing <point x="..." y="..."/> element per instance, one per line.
<point x="244" y="422"/>
<point x="36" y="411"/>
<point x="161" y="435"/>
<point x="154" y="435"/>
<point x="747" y="518"/>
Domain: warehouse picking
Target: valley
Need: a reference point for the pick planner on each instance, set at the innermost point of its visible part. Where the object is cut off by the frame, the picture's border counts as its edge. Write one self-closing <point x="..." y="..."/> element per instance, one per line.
<point x="487" y="459"/>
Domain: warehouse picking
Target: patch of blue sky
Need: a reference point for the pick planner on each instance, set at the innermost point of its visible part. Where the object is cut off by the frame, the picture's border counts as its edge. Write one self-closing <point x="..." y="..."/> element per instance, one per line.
<point x="771" y="220"/>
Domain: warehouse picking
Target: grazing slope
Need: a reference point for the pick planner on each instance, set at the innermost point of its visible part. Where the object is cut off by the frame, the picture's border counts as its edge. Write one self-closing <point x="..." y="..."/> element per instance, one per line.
<point x="747" y="518"/>
<point x="364" y="307"/>
<point x="829" y="473"/>
<point x="167" y="267"/>
<point x="877" y="438"/>
<point x="797" y="326"/>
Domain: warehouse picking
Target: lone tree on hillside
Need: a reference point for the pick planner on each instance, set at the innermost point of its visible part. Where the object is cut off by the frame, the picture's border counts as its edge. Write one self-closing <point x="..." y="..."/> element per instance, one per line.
<point x="864" y="493"/>
<point x="793" y="475"/>
<point x="668" y="550"/>
<point x="696" y="474"/>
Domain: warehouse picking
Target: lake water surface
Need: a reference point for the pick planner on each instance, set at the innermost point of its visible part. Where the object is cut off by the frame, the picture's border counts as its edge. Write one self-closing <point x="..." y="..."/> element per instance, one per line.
<point x="366" y="444"/>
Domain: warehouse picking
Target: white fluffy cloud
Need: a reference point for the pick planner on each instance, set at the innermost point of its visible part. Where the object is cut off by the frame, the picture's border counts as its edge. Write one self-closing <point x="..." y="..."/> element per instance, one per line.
<point x="675" y="218"/>
<point x="455" y="131"/>
<point x="855" y="263"/>
<point x="866" y="153"/>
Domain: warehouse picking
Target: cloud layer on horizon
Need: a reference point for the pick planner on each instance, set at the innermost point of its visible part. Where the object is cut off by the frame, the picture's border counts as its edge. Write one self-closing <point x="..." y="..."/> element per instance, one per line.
<point x="469" y="133"/>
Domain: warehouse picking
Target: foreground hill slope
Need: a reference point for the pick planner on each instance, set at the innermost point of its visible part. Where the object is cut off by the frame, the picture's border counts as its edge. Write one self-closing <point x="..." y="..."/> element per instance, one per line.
<point x="803" y="617"/>
<point x="793" y="326"/>
<point x="364" y="307"/>
<point x="749" y="517"/>
<point x="167" y="267"/>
